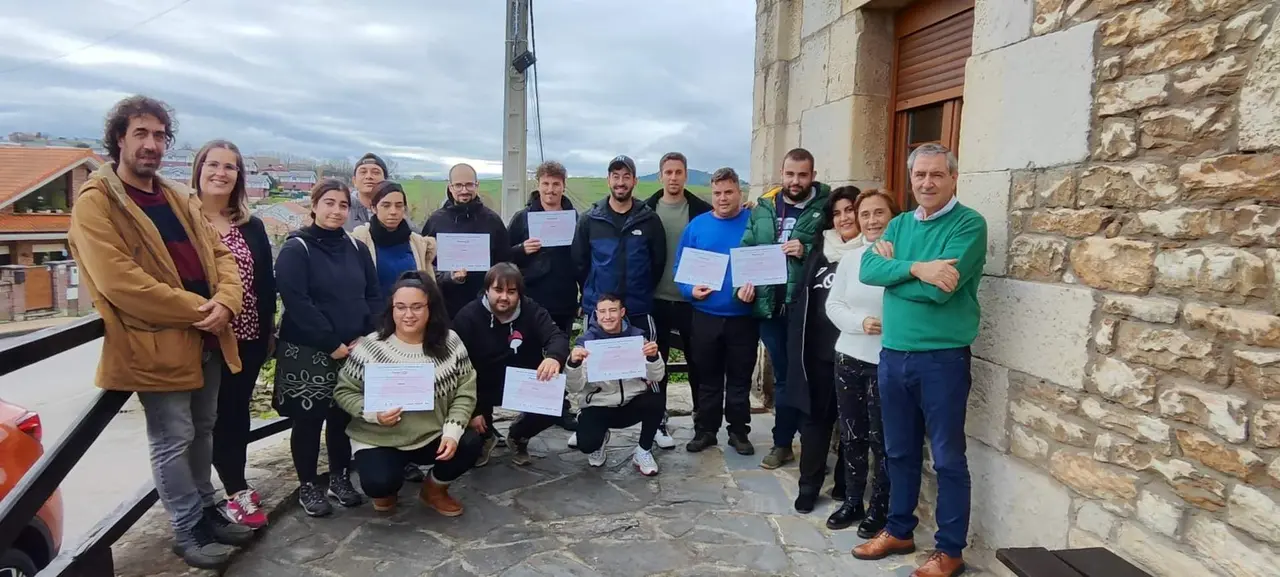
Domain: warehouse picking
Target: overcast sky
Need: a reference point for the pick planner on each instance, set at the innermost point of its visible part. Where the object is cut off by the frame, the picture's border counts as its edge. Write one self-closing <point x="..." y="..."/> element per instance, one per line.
<point x="417" y="80"/>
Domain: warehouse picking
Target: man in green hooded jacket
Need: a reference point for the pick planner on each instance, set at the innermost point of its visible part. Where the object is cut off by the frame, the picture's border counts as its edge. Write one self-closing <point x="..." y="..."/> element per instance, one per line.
<point x="790" y="215"/>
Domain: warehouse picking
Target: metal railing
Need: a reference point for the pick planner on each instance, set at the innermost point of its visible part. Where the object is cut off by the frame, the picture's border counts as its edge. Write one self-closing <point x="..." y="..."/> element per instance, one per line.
<point x="92" y="556"/>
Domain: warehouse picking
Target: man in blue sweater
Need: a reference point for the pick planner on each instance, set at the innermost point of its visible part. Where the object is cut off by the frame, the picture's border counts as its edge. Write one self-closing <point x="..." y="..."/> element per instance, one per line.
<point x="723" y="330"/>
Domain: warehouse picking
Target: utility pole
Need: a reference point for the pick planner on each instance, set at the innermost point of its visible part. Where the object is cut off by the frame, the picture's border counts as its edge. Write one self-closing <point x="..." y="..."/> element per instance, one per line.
<point x="515" y="107"/>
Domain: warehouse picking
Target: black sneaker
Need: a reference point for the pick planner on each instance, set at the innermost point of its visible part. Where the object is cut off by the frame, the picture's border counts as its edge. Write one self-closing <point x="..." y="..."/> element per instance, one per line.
<point x="569" y="422"/>
<point x="846" y="516"/>
<point x="701" y="441"/>
<point x="200" y="549"/>
<point x="805" y="502"/>
<point x="413" y="474"/>
<point x="741" y="444"/>
<point x="874" y="522"/>
<point x="340" y="488"/>
<point x="225" y="531"/>
<point x="313" y="501"/>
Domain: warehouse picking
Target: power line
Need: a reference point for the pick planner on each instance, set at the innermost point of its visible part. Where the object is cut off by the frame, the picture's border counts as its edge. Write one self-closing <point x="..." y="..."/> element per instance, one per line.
<point x="97" y="42"/>
<point x="537" y="101"/>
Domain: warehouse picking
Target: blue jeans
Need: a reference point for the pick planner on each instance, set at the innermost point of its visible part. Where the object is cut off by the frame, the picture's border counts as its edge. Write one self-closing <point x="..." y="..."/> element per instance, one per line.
<point x="180" y="438"/>
<point x="786" y="419"/>
<point x="919" y="392"/>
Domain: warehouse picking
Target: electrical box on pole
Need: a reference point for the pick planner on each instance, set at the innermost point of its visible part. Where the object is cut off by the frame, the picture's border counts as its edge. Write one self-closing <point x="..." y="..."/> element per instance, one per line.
<point x="515" y="109"/>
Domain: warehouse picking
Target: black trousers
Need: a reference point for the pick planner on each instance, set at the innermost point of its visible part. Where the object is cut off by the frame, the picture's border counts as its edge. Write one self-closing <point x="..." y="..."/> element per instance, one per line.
<point x="381" y="469"/>
<point x="816" y="429"/>
<point x="677" y="315"/>
<point x="527" y="425"/>
<point x="725" y="349"/>
<point x="648" y="409"/>
<point x="861" y="429"/>
<point x="231" y="431"/>
<point x="305" y="443"/>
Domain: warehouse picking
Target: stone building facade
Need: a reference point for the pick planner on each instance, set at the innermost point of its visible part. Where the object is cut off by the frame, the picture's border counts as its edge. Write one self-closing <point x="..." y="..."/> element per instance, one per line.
<point x="1126" y="156"/>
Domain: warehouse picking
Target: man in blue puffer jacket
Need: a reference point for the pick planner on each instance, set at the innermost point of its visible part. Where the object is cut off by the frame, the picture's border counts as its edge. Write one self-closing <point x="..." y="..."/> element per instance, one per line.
<point x="620" y="248"/>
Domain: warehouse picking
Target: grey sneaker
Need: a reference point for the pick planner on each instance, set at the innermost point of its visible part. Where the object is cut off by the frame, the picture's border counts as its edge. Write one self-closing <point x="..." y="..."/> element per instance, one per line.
<point x="487" y="450"/>
<point x="340" y="488"/>
<point x="600" y="456"/>
<point x="200" y="549"/>
<point x="225" y="531"/>
<point x="521" y="454"/>
<point x="313" y="501"/>
<point x="741" y="444"/>
<point x="777" y="457"/>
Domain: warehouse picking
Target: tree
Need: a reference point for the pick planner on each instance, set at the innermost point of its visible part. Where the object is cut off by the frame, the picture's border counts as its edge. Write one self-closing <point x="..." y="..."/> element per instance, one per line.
<point x="393" y="169"/>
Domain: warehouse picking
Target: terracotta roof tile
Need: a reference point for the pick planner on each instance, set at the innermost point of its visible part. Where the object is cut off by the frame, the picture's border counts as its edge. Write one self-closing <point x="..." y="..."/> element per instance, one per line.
<point x="23" y="167"/>
<point x="20" y="223"/>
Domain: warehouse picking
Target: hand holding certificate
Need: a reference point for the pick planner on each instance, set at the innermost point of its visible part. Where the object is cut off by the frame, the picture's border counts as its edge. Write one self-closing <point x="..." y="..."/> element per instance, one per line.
<point x="758" y="265"/>
<point x="701" y="267"/>
<point x="612" y="359"/>
<point x="469" y="252"/>
<point x="522" y="391"/>
<point x="553" y="227"/>
<point x="407" y="386"/>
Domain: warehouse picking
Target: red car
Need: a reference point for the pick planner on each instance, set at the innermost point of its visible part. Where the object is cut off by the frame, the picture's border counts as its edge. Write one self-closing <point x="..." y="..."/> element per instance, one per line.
<point x="20" y="448"/>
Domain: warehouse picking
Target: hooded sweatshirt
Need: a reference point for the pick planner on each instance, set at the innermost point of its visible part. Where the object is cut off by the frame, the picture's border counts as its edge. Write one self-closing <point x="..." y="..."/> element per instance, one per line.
<point x="521" y="342"/>
<point x="549" y="275"/>
<point x="329" y="288"/>
<point x="470" y="218"/>
<point x="617" y="392"/>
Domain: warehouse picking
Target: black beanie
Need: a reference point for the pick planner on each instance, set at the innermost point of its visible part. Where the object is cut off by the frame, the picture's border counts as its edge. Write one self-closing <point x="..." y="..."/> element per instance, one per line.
<point x="368" y="158"/>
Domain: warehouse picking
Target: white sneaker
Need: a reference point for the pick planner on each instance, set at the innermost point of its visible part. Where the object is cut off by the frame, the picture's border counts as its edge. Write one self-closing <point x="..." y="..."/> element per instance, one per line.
<point x="600" y="456"/>
<point x="644" y="462"/>
<point x="663" y="440"/>
<point x="573" y="441"/>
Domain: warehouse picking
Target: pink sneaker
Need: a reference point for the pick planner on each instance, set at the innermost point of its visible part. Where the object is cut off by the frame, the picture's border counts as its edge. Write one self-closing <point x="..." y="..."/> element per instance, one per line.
<point x="243" y="509"/>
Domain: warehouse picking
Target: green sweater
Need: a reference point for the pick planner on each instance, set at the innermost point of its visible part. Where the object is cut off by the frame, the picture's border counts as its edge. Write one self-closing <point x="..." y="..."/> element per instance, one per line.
<point x="455" y="394"/>
<point x="919" y="316"/>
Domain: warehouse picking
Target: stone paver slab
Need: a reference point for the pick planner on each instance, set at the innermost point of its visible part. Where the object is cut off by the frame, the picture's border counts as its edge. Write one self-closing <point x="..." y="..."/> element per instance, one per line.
<point x="634" y="559"/>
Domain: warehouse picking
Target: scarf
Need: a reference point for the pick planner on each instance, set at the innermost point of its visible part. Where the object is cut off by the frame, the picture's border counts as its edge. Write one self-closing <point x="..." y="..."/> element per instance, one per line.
<point x="834" y="248"/>
<point x="383" y="237"/>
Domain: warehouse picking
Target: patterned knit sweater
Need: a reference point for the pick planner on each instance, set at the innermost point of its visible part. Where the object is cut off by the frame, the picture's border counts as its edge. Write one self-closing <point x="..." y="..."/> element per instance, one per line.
<point x="455" y="394"/>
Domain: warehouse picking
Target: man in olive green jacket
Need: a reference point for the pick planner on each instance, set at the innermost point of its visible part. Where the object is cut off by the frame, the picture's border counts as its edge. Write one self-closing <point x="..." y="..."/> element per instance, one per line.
<point x="790" y="215"/>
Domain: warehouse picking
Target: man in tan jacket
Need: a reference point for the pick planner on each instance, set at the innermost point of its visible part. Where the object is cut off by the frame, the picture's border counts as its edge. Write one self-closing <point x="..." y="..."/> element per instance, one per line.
<point x="166" y="288"/>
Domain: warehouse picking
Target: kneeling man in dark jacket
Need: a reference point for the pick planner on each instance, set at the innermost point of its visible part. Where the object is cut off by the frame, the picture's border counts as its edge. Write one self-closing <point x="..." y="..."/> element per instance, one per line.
<point x="504" y="328"/>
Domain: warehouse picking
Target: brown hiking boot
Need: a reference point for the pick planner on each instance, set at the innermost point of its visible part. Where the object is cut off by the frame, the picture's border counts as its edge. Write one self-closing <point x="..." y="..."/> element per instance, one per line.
<point x="384" y="504"/>
<point x="940" y="564"/>
<point x="437" y="497"/>
<point x="883" y="545"/>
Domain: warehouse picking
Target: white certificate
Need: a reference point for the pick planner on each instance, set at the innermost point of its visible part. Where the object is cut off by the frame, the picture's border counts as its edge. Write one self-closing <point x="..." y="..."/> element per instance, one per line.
<point x="553" y="227"/>
<point x="469" y="252"/>
<point x="613" y="359"/>
<point x="759" y="265"/>
<point x="409" y="386"/>
<point x="522" y="391"/>
<point x="701" y="267"/>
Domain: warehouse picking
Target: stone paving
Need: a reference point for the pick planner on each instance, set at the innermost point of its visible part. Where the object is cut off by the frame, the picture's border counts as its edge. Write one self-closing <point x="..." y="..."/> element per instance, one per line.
<point x="713" y="513"/>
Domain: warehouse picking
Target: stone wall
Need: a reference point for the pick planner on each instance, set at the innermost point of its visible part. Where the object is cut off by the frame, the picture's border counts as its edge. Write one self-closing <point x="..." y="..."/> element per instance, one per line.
<point x="1133" y="192"/>
<point x="822" y="82"/>
<point x="1126" y="155"/>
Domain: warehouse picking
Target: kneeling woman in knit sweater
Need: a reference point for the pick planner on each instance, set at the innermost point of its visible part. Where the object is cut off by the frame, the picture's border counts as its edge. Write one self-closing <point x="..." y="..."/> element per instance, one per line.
<point x="414" y="329"/>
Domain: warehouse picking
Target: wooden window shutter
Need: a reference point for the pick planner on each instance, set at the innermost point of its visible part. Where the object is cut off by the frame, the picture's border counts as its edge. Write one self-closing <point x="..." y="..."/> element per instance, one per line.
<point x="934" y="43"/>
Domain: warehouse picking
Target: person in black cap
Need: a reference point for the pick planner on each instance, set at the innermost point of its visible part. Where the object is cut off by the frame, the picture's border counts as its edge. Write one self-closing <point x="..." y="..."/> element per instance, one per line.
<point x="620" y="248"/>
<point x="370" y="170"/>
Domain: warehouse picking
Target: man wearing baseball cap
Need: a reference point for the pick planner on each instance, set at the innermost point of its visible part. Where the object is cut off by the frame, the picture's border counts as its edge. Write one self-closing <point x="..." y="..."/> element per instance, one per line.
<point x="620" y="248"/>
<point x="369" y="171"/>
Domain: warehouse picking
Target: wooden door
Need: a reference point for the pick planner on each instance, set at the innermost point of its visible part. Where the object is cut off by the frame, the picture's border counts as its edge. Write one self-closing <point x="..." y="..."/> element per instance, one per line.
<point x="933" y="43"/>
<point x="38" y="288"/>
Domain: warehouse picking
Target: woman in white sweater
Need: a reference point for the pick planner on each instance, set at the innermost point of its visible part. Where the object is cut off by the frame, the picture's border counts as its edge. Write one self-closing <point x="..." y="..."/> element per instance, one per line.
<point x="855" y="309"/>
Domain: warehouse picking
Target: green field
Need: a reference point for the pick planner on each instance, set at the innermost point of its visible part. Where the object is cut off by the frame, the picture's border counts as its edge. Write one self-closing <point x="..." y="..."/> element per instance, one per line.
<point x="425" y="196"/>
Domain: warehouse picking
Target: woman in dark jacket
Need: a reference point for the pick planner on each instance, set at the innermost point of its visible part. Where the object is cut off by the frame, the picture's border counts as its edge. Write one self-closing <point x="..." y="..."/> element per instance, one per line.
<point x="811" y="344"/>
<point x="330" y="293"/>
<point x="218" y="177"/>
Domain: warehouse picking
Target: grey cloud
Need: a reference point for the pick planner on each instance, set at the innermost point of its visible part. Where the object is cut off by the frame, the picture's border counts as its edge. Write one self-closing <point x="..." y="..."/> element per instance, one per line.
<point x="419" y="81"/>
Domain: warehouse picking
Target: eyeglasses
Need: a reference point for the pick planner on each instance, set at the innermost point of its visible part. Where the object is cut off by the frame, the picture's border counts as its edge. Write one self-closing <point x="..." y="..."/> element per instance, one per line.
<point x="463" y="185"/>
<point x="416" y="308"/>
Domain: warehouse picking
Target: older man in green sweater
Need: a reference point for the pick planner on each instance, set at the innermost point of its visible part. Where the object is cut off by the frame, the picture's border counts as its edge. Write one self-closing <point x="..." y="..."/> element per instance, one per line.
<point x="930" y="262"/>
